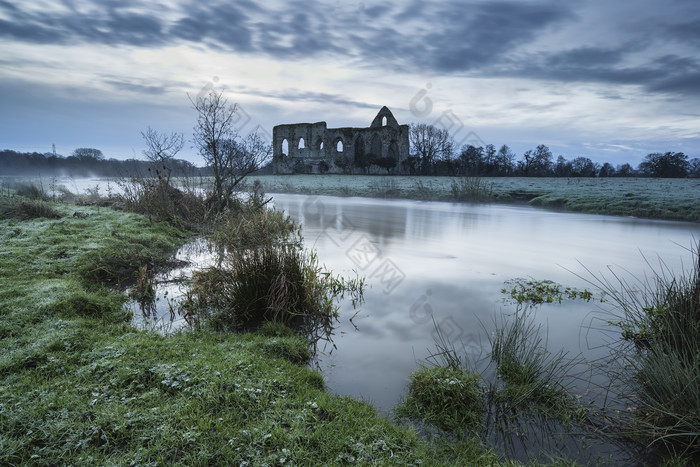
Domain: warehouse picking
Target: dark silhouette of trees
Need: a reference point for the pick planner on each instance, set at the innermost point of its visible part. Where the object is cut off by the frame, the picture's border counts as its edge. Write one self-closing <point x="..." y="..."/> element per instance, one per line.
<point x="670" y="164"/>
<point x="625" y="170"/>
<point x="583" y="167"/>
<point x="607" y="170"/>
<point x="694" y="168"/>
<point x="386" y="163"/>
<point x="162" y="147"/>
<point x="537" y="163"/>
<point x="505" y="161"/>
<point x="429" y="143"/>
<point x="88" y="154"/>
<point x="471" y="160"/>
<point x="562" y="168"/>
<point x="14" y="163"/>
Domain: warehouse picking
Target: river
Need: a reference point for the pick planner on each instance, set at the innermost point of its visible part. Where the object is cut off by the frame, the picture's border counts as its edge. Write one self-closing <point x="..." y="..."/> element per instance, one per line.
<point x="433" y="264"/>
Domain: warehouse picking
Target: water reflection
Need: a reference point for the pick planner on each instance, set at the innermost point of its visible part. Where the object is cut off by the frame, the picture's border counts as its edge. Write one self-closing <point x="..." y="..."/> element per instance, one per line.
<point x="445" y="264"/>
<point x="162" y="312"/>
<point x="451" y="262"/>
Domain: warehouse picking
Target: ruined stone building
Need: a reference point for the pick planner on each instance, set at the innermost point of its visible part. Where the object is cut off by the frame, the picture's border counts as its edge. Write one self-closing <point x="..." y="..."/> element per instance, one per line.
<point x="313" y="148"/>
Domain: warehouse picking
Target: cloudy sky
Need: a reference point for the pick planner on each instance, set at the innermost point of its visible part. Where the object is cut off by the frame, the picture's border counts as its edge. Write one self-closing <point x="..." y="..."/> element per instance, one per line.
<point x="611" y="80"/>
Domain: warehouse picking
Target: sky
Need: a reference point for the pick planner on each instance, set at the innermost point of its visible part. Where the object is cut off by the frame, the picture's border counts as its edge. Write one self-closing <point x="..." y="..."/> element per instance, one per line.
<point x="609" y="80"/>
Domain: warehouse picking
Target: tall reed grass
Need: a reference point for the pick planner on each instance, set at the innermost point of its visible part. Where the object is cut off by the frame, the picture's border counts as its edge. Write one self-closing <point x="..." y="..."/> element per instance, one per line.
<point x="659" y="359"/>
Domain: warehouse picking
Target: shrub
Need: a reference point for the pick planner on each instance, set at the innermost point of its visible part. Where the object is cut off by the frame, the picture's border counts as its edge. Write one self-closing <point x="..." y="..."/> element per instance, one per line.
<point x="22" y="209"/>
<point x="161" y="201"/>
<point x="471" y="189"/>
<point x="30" y="190"/>
<point x="269" y="278"/>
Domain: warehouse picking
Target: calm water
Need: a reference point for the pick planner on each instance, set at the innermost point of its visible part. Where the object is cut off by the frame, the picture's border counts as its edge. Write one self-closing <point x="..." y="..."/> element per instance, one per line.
<point x="445" y="264"/>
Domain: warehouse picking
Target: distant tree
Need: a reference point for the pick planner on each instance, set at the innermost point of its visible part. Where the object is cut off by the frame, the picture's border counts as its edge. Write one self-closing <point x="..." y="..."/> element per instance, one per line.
<point x="229" y="156"/>
<point x="489" y="164"/>
<point x="669" y="165"/>
<point x="607" y="170"/>
<point x="625" y="170"/>
<point x="409" y="165"/>
<point x="583" y="167"/>
<point x="429" y="143"/>
<point x="694" y="170"/>
<point x="562" y="168"/>
<point x="87" y="154"/>
<point x="537" y="163"/>
<point x="471" y="160"/>
<point x="505" y="161"/>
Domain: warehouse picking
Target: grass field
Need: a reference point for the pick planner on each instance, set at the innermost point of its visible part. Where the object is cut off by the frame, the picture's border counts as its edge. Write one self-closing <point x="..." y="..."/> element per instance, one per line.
<point x="673" y="199"/>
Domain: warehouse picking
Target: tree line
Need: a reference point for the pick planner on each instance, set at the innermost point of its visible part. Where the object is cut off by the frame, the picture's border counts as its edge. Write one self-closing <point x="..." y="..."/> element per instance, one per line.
<point x="83" y="162"/>
<point x="433" y="152"/>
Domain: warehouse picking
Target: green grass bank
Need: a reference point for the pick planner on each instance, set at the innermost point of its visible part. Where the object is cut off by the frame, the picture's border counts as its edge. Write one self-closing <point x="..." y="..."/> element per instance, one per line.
<point x="80" y="386"/>
<point x="672" y="199"/>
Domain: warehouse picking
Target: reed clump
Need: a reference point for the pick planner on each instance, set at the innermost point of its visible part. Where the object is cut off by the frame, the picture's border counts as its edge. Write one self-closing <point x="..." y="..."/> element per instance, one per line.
<point x="471" y="188"/>
<point x="660" y="356"/>
<point x="263" y="275"/>
<point x="26" y="209"/>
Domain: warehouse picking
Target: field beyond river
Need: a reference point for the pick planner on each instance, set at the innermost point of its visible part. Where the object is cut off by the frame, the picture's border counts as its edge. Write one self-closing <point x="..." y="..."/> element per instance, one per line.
<point x="652" y="198"/>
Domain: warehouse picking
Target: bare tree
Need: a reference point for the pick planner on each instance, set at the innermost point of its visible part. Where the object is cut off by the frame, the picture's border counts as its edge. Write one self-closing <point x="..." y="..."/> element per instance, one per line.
<point x="229" y="156"/>
<point x="429" y="143"/>
<point x="161" y="149"/>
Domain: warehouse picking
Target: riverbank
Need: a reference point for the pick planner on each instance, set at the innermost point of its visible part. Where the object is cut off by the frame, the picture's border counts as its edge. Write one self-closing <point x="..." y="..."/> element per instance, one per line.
<point x="80" y="385"/>
<point x="670" y="199"/>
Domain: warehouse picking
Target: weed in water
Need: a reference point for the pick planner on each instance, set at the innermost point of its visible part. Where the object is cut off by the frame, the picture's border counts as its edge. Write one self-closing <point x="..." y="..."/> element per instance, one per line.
<point x="534" y="292"/>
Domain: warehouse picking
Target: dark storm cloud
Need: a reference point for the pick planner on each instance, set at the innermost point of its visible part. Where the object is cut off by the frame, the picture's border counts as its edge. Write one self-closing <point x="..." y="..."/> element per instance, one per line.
<point x="449" y="37"/>
<point x="139" y="88"/>
<point x="585" y="57"/>
<point x="688" y="32"/>
<point x="295" y="95"/>
<point x="473" y="36"/>
<point x="666" y="73"/>
<point x="109" y="27"/>
<point x="226" y="26"/>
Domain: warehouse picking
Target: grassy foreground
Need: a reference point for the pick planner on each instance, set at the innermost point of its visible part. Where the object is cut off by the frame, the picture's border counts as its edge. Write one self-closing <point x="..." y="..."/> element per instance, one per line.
<point x="673" y="199"/>
<point x="79" y="385"/>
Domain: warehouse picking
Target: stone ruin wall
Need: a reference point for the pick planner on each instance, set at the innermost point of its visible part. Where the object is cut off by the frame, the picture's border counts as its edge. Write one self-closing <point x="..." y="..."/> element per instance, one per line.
<point x="334" y="150"/>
